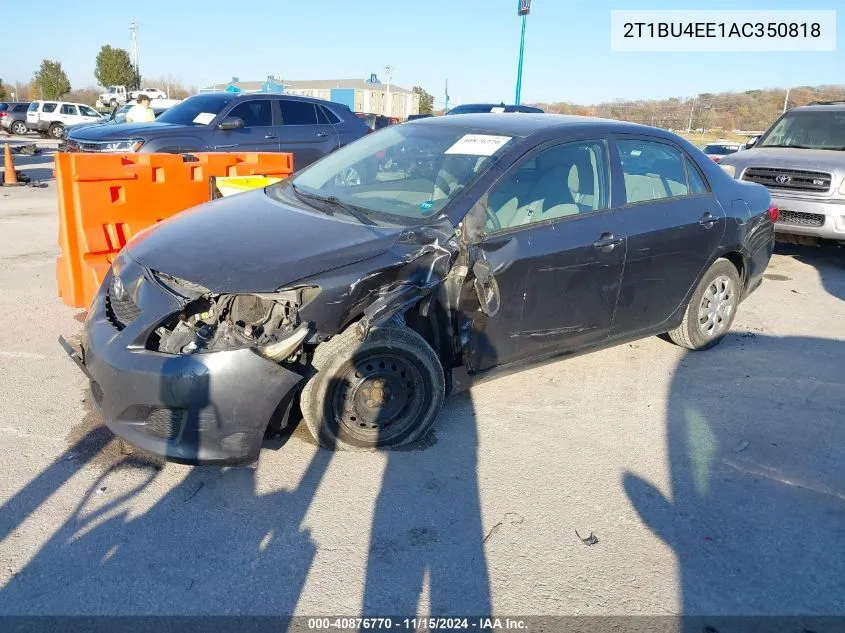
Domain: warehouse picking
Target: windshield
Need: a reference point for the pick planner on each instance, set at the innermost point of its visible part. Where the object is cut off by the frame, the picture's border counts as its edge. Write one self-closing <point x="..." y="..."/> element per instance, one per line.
<point x="197" y="110"/>
<point x="404" y="173"/>
<point x="822" y="129"/>
<point x="720" y="150"/>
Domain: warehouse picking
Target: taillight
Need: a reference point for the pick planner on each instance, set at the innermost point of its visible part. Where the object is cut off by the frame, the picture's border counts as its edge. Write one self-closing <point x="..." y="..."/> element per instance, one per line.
<point x="715" y="159"/>
<point x="2" y="114"/>
<point x="774" y="212"/>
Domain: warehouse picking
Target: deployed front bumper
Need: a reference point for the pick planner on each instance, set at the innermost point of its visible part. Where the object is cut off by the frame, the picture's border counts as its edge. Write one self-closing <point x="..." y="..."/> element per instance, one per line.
<point x="202" y="408"/>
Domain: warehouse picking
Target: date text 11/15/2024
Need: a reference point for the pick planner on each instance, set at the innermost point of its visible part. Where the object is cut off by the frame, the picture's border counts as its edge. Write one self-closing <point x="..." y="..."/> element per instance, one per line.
<point x="416" y="624"/>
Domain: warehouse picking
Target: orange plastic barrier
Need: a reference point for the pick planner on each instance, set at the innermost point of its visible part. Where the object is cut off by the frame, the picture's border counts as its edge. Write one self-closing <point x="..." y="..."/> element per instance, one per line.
<point x="105" y="199"/>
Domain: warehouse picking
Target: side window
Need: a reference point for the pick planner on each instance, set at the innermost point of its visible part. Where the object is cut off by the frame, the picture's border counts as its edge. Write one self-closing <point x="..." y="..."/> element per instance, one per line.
<point x="21" y="107"/>
<point x="694" y="177"/>
<point x="49" y="107"/>
<point x="257" y="113"/>
<point x="561" y="181"/>
<point x="652" y="171"/>
<point x="68" y="108"/>
<point x="330" y="116"/>
<point x="298" y="112"/>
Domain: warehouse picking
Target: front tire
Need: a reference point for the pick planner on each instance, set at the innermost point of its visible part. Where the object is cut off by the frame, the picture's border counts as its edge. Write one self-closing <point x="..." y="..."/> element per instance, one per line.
<point x="711" y="309"/>
<point x="383" y="392"/>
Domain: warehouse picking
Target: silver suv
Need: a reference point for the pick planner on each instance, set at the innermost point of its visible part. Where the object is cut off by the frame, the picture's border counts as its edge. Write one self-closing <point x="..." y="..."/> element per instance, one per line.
<point x="801" y="160"/>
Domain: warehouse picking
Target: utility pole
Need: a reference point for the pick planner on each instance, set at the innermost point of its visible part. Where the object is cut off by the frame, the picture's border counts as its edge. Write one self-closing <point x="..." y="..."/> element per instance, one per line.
<point x="446" y="101"/>
<point x="692" y="109"/>
<point x="523" y="10"/>
<point x="133" y="32"/>
<point x="387" y="107"/>
<point x="786" y="99"/>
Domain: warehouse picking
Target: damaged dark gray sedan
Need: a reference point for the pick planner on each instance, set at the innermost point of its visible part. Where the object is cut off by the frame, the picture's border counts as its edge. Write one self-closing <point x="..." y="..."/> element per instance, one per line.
<point x="408" y="264"/>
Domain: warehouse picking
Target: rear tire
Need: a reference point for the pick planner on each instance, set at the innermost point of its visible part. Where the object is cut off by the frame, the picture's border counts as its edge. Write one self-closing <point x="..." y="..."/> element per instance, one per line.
<point x="19" y="128"/>
<point x="56" y="131"/>
<point x="383" y="392"/>
<point x="711" y="309"/>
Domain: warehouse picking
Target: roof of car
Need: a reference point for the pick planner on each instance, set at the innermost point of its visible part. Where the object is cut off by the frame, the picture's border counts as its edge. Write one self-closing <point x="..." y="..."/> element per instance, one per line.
<point x="837" y="106"/>
<point x="265" y="95"/>
<point x="525" y="124"/>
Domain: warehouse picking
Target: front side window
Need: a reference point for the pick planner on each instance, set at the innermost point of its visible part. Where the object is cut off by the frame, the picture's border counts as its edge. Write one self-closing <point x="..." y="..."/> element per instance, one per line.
<point x="257" y="113"/>
<point x="298" y="112"/>
<point x="49" y="107"/>
<point x="820" y="129"/>
<point x="402" y="174"/>
<point x="652" y="170"/>
<point x="561" y="181"/>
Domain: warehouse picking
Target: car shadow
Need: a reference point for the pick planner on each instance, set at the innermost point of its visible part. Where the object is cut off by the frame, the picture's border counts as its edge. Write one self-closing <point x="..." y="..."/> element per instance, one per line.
<point x="755" y="505"/>
<point x="216" y="542"/>
<point x="828" y="259"/>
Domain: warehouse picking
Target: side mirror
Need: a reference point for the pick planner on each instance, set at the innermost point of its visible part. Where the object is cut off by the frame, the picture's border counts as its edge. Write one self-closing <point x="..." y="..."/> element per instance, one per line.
<point x="231" y="123"/>
<point x="751" y="142"/>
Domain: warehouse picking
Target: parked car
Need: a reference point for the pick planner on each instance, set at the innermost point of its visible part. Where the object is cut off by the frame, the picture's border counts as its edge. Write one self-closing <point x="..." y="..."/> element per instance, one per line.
<point x="479" y="108"/>
<point x="719" y="149"/>
<point x="801" y="160"/>
<point x="118" y="115"/>
<point x="369" y="301"/>
<point x="13" y="116"/>
<point x="376" y="121"/>
<point x="225" y="121"/>
<point x="49" y="118"/>
<point x="152" y="93"/>
<point x="414" y="117"/>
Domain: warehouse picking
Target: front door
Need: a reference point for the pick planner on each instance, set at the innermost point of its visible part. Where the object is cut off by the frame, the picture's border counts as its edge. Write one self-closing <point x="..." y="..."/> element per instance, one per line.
<point x="258" y="133"/>
<point x="305" y="132"/>
<point x="674" y="224"/>
<point x="69" y="114"/>
<point x="555" y="250"/>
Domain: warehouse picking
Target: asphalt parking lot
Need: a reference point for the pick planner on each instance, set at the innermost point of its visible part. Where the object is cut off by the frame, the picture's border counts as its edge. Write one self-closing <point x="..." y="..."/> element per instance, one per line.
<point x="714" y="481"/>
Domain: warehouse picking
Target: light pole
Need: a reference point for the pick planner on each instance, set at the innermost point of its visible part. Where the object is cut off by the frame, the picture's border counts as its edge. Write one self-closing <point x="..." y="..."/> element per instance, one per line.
<point x="133" y="31"/>
<point x="524" y="8"/>
<point x="387" y="108"/>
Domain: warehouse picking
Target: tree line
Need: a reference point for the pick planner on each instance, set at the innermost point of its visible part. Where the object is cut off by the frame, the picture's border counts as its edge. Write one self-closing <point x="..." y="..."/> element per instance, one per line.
<point x="112" y="67"/>
<point x="751" y="110"/>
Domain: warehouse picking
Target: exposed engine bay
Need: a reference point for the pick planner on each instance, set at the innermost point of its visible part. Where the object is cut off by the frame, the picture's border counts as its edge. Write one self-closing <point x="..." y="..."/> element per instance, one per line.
<point x="228" y="322"/>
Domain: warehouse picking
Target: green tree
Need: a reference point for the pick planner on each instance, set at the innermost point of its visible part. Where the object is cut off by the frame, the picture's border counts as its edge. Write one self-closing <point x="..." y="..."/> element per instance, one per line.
<point x="52" y="80"/>
<point x="114" y="68"/>
<point x="3" y="92"/>
<point x="426" y="100"/>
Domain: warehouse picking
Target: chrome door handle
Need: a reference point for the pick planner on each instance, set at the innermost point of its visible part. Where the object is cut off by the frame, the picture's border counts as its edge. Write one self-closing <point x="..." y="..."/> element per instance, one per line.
<point x="270" y="136"/>
<point x="224" y="146"/>
<point x="321" y="134"/>
<point x="707" y="220"/>
<point x="607" y="242"/>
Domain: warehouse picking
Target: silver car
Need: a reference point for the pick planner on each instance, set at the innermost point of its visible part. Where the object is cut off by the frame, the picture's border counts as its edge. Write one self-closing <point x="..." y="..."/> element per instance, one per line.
<point x="801" y="160"/>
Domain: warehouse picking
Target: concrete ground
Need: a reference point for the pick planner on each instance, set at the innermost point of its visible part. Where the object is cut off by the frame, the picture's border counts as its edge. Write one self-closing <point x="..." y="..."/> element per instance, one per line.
<point x="714" y="482"/>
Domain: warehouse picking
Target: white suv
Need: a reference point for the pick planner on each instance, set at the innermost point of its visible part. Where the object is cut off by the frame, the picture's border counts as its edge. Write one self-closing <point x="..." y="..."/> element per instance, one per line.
<point x="51" y="117"/>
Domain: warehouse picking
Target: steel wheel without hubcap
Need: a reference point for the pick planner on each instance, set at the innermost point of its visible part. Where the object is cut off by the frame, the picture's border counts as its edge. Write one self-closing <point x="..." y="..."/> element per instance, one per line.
<point x="378" y="397"/>
<point x="716" y="308"/>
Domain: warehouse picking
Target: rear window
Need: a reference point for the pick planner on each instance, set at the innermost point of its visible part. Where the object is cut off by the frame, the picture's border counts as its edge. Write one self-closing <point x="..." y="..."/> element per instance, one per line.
<point x="4" y="107"/>
<point x="21" y="107"/>
<point x="325" y="115"/>
<point x="298" y="112"/>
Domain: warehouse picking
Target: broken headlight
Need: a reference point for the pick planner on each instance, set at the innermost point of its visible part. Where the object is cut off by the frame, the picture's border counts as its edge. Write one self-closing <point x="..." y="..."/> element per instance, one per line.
<point x="266" y="323"/>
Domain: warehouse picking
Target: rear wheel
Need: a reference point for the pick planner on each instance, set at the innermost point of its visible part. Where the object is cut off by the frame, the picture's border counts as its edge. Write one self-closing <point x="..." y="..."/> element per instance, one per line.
<point x="711" y="309"/>
<point x="56" y="130"/>
<point x="19" y="127"/>
<point x="383" y="392"/>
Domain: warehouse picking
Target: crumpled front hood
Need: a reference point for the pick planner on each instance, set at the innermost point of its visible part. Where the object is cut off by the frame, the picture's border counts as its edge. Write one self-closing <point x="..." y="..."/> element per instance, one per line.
<point x="809" y="159"/>
<point x="253" y="243"/>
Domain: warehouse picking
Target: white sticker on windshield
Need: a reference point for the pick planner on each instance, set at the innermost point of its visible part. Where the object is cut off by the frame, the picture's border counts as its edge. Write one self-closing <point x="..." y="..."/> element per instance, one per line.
<point x="478" y="145"/>
<point x="497" y="109"/>
<point x="204" y="118"/>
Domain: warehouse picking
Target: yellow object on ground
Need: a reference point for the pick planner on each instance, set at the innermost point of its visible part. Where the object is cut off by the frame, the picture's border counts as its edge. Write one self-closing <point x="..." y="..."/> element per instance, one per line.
<point x="230" y="185"/>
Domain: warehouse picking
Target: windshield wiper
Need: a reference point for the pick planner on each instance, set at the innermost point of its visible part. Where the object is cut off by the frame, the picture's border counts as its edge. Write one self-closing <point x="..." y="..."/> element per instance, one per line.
<point x="790" y="146"/>
<point x="335" y="202"/>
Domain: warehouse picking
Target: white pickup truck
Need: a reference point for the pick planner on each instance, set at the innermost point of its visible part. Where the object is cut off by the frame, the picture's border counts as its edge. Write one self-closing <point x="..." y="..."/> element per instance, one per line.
<point x="118" y="95"/>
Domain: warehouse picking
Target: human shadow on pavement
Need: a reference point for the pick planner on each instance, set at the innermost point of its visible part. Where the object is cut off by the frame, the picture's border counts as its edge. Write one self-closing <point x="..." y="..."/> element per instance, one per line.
<point x="755" y="511"/>
<point x="214" y="543"/>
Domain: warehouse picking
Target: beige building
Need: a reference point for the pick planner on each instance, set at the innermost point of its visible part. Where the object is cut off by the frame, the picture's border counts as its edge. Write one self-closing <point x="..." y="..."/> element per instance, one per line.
<point x="359" y="95"/>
